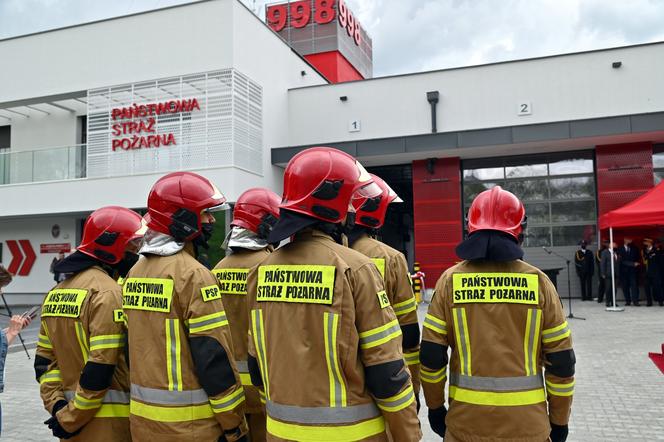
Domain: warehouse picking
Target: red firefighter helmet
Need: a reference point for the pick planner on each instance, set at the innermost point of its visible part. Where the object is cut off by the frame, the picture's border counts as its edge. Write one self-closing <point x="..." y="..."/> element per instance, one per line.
<point x="254" y="206"/>
<point x="320" y="182"/>
<point x="107" y="232"/>
<point x="370" y="212"/>
<point x="497" y="209"/>
<point x="176" y="201"/>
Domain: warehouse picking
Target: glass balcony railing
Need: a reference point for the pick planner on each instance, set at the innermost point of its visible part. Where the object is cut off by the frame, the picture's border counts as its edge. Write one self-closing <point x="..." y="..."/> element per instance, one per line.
<point x="51" y="164"/>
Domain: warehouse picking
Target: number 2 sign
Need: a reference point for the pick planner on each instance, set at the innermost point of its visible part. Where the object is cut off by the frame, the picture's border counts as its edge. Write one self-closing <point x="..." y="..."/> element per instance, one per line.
<point x="299" y="14"/>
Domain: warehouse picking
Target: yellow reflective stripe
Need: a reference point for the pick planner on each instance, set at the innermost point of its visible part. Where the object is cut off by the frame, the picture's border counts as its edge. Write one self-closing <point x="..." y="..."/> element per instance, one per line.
<point x="173" y="363"/>
<point x="229" y="402"/>
<point x="499" y="399"/>
<point x="380" y="335"/>
<point x="106" y="341"/>
<point x="380" y="264"/>
<point x="50" y="376"/>
<point x="312" y="433"/>
<point x="557" y="333"/>
<point x="462" y="339"/>
<point x="171" y="414"/>
<point x="113" y="410"/>
<point x="399" y="401"/>
<point x="86" y="404"/>
<point x="435" y="324"/>
<point x="412" y="358"/>
<point x="433" y="377"/>
<point x="560" y="389"/>
<point x="44" y="341"/>
<point x="337" y="385"/>
<point x="402" y="308"/>
<point x="261" y="396"/>
<point x="245" y="378"/>
<point x="207" y="322"/>
<point x="259" y="343"/>
<point x="82" y="340"/>
<point x="531" y="341"/>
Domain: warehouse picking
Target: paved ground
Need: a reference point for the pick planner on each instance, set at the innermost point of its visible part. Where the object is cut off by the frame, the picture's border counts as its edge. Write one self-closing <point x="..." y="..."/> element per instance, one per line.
<point x="619" y="392"/>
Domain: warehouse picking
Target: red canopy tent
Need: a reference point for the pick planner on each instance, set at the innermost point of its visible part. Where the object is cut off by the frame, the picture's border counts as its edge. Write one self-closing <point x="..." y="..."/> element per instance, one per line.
<point x="646" y="210"/>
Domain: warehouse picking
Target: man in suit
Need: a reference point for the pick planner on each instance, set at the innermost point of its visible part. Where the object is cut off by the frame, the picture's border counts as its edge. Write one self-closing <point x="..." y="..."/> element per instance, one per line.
<point x="605" y="271"/>
<point x="602" y="286"/>
<point x="629" y="271"/>
<point x="585" y="267"/>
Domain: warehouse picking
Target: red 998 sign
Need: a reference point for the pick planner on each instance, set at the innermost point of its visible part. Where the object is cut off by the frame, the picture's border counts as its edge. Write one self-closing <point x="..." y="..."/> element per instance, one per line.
<point x="299" y="13"/>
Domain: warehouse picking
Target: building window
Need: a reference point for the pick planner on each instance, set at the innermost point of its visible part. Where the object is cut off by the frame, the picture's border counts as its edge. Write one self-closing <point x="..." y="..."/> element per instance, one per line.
<point x="658" y="163"/>
<point x="558" y="191"/>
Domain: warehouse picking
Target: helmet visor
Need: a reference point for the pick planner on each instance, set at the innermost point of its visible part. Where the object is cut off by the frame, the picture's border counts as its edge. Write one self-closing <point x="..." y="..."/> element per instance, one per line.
<point x="369" y="190"/>
<point x="217" y="208"/>
<point x="392" y="195"/>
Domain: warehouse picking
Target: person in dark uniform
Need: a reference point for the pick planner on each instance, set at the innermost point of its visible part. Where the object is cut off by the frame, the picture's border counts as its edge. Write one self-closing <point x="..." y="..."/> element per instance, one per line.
<point x="602" y="281"/>
<point x="659" y="248"/>
<point x="653" y="282"/>
<point x="629" y="263"/>
<point x="605" y="272"/>
<point x="585" y="267"/>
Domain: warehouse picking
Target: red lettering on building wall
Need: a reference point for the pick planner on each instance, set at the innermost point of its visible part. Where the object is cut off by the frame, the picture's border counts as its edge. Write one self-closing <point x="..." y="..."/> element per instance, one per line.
<point x="298" y="15"/>
<point x="143" y="133"/>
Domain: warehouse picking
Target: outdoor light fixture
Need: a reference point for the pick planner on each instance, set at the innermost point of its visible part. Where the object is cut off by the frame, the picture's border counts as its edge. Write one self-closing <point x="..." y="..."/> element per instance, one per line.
<point x="432" y="98"/>
<point x="343" y="98"/>
<point x="616" y="64"/>
<point x="431" y="165"/>
<point x="303" y="73"/>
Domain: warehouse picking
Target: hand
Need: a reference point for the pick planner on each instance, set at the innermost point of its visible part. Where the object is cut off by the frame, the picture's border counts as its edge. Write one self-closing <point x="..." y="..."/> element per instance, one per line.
<point x="437" y="420"/>
<point x="16" y="324"/>
<point x="57" y="429"/>
<point x="559" y="433"/>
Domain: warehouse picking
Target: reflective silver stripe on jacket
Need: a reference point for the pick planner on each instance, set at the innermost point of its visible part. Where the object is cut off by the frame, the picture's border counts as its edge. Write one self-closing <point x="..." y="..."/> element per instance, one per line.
<point x="380" y="335"/>
<point x="242" y="366"/>
<point x="322" y="415"/>
<point x="168" y="397"/>
<point x="111" y="396"/>
<point x="515" y="383"/>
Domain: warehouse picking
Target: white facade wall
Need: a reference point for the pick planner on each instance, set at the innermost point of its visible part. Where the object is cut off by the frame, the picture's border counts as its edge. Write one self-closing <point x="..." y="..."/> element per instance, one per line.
<point x="561" y="88"/>
<point x="188" y="39"/>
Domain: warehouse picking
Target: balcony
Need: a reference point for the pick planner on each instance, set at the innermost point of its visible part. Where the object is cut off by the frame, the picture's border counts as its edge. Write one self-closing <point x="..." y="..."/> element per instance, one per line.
<point x="42" y="165"/>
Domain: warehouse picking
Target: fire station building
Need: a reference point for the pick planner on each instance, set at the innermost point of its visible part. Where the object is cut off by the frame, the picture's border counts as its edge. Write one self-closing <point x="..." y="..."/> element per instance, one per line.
<point x="93" y="114"/>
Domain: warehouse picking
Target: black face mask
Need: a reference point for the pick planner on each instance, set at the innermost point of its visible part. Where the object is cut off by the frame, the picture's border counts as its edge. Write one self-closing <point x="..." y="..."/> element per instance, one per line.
<point x="126" y="263"/>
<point x="206" y="233"/>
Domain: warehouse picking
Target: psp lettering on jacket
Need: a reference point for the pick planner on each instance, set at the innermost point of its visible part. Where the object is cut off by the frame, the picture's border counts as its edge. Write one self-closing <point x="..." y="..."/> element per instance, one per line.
<point x="312" y="284"/>
<point x="516" y="288"/>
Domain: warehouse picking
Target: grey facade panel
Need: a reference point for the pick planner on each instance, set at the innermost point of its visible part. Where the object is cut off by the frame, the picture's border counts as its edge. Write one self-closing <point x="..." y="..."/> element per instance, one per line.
<point x="284" y="154"/>
<point x="485" y="137"/>
<point x="432" y="142"/>
<point x="647" y="122"/>
<point x="599" y="127"/>
<point x="540" y="132"/>
<point x="384" y="146"/>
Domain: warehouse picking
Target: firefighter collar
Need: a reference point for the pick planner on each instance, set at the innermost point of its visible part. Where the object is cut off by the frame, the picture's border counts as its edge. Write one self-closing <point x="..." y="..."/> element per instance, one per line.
<point x="288" y="225"/>
<point x="489" y="245"/>
<point x="156" y="243"/>
<point x="242" y="238"/>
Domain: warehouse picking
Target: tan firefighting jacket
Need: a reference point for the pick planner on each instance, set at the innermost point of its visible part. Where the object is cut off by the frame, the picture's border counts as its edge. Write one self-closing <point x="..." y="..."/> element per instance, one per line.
<point x="179" y="351"/>
<point x="504" y="323"/>
<point x="393" y="268"/>
<point x="328" y="346"/>
<point x="231" y="272"/>
<point x="81" y="322"/>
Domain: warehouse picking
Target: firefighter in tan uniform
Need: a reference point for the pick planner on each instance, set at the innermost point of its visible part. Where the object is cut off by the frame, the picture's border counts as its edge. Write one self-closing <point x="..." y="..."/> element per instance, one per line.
<point x="255" y="213"/>
<point x="184" y="384"/>
<point x="80" y="362"/>
<point x="325" y="346"/>
<point x="392" y="265"/>
<point x="504" y="322"/>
